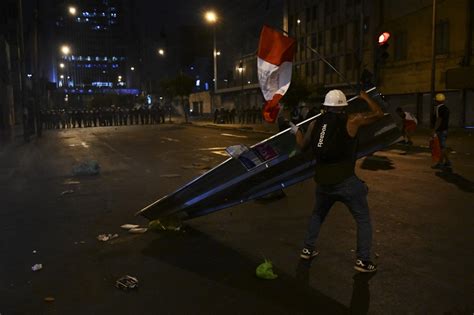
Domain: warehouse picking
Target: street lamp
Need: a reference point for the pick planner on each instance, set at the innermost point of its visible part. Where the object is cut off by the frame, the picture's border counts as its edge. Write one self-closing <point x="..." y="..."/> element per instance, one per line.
<point x="72" y="10"/>
<point x="65" y="49"/>
<point x="61" y="65"/>
<point x="241" y="71"/>
<point x="161" y="52"/>
<point x="211" y="17"/>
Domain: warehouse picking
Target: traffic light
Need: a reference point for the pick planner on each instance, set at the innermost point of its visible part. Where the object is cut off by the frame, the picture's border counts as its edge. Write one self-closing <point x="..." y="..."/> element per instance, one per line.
<point x="383" y="44"/>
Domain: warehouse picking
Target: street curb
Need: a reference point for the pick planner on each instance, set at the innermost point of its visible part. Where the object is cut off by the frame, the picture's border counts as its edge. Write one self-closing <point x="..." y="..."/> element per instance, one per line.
<point x="243" y="129"/>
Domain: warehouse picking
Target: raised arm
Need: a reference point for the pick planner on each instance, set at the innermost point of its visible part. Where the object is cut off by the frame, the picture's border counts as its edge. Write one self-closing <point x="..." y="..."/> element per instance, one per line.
<point x="361" y="119"/>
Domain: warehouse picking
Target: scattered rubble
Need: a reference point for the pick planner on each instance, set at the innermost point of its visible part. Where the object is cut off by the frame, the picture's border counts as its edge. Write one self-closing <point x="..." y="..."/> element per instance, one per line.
<point x="138" y="230"/>
<point x="87" y="168"/>
<point x="37" y="267"/>
<point x="129" y="226"/>
<point x="106" y="237"/>
<point x="126" y="283"/>
<point x="166" y="224"/>
<point x="71" y="182"/>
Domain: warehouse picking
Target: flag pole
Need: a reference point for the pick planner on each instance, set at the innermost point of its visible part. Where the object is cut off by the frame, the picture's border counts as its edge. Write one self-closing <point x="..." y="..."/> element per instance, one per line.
<point x="325" y="61"/>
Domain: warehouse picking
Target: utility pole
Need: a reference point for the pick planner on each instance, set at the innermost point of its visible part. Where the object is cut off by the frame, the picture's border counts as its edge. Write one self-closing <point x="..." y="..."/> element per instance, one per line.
<point x="24" y="96"/>
<point x="433" y="62"/>
<point x="36" y="76"/>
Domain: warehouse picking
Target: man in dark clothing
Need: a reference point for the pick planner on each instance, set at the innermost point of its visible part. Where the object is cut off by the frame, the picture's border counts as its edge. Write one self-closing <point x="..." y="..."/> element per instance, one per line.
<point x="441" y="130"/>
<point x="333" y="139"/>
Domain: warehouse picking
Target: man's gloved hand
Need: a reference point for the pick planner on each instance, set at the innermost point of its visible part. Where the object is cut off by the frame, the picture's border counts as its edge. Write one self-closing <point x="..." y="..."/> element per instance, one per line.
<point x="294" y="128"/>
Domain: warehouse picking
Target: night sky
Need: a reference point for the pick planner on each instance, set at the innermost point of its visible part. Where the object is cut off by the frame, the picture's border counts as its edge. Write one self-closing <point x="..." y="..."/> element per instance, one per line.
<point x="238" y="28"/>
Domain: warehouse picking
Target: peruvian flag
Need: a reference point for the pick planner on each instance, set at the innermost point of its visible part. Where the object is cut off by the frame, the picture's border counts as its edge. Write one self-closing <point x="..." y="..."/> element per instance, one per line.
<point x="274" y="62"/>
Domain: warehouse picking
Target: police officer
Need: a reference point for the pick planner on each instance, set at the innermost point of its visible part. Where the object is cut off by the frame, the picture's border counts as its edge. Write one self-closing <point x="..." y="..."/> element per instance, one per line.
<point x="333" y="138"/>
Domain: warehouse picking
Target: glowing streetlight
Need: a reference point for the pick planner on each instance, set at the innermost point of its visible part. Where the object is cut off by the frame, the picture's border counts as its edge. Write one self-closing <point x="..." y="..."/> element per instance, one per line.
<point x="61" y="65"/>
<point x="65" y="49"/>
<point x="72" y="10"/>
<point x="298" y="21"/>
<point x="211" y="16"/>
<point x="218" y="53"/>
<point x="161" y="52"/>
<point x="61" y="76"/>
<point x="132" y="68"/>
<point x="119" y="78"/>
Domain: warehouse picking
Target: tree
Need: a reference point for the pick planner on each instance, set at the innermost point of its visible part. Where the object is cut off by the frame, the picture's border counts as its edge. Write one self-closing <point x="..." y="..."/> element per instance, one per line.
<point x="179" y="86"/>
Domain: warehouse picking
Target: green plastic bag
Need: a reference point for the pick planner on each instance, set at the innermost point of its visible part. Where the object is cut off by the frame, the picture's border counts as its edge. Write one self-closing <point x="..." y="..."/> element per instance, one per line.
<point x="265" y="271"/>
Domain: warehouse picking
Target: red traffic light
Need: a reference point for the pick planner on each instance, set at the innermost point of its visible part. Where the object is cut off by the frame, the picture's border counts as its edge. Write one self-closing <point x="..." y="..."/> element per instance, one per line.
<point x="383" y="38"/>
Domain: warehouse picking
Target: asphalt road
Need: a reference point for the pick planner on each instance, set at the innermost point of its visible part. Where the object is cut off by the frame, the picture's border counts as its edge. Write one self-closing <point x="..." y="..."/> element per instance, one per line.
<point x="423" y="233"/>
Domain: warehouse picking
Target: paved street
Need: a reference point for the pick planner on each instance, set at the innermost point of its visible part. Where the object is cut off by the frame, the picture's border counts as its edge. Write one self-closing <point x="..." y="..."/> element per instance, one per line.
<point x="423" y="232"/>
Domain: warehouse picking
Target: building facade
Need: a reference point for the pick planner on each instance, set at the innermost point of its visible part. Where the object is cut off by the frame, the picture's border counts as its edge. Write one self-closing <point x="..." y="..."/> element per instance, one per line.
<point x="11" y="64"/>
<point x="406" y="75"/>
<point x="94" y="48"/>
<point x="346" y="32"/>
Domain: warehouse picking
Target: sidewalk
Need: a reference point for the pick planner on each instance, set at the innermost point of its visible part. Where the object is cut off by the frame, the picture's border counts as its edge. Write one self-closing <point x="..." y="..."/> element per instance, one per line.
<point x="459" y="139"/>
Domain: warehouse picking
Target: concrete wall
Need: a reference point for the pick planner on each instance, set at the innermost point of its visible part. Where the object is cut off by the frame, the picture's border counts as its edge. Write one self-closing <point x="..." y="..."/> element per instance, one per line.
<point x="203" y="98"/>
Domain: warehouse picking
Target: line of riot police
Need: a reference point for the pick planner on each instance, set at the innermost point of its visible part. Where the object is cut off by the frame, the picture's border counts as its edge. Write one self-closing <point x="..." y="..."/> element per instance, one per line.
<point x="102" y="117"/>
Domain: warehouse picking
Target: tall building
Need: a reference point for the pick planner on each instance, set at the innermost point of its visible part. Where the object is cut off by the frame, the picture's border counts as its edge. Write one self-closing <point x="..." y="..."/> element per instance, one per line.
<point x="346" y="33"/>
<point x="11" y="61"/>
<point x="339" y="30"/>
<point x="95" y="51"/>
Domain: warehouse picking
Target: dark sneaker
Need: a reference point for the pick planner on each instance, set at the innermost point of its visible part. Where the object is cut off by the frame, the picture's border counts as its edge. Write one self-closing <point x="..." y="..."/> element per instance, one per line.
<point x="447" y="165"/>
<point x="365" y="266"/>
<point x="437" y="166"/>
<point x="308" y="254"/>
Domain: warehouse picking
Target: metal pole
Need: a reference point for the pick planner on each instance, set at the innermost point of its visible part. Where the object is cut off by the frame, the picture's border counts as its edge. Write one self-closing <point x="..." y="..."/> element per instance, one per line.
<point x="326" y="62"/>
<point x="215" y="58"/>
<point x="36" y="78"/>
<point x="433" y="62"/>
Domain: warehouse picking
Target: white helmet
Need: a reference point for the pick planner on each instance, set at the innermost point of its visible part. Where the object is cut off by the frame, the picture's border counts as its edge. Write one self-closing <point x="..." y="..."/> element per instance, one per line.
<point x="335" y="98"/>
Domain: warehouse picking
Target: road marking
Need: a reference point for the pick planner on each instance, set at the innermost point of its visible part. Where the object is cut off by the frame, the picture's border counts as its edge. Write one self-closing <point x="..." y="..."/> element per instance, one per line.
<point x="231" y="135"/>
<point x="170" y="139"/>
<point x="212" y="149"/>
<point x="223" y="153"/>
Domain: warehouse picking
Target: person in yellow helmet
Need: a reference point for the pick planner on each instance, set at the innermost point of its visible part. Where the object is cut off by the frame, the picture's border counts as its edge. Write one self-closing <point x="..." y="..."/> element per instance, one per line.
<point x="441" y="130"/>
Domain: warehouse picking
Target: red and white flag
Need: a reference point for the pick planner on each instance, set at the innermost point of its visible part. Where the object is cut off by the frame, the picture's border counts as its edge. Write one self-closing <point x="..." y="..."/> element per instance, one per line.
<point x="274" y="62"/>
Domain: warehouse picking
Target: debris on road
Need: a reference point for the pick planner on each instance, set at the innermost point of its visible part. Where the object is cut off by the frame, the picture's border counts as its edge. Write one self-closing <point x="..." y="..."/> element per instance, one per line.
<point x="126" y="283"/>
<point x="129" y="226"/>
<point x="265" y="271"/>
<point x="71" y="182"/>
<point x="67" y="192"/>
<point x="138" y="230"/>
<point x="106" y="237"/>
<point x="37" y="267"/>
<point x="170" y="175"/>
<point x="377" y="255"/>
<point x="86" y="168"/>
<point x="166" y="224"/>
<point x="49" y="299"/>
